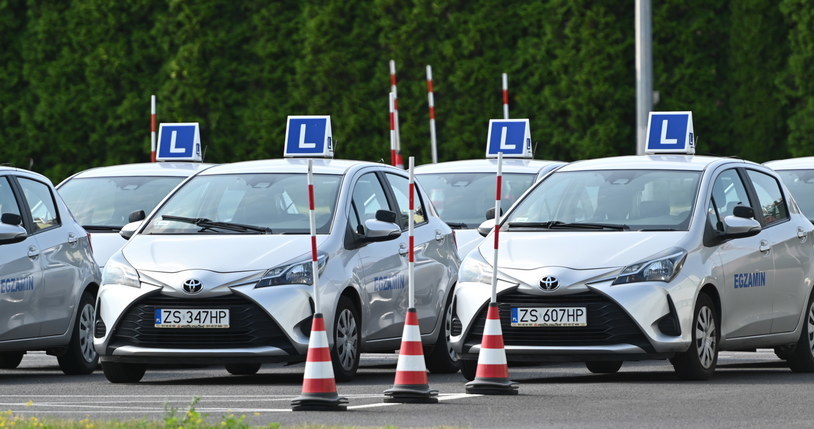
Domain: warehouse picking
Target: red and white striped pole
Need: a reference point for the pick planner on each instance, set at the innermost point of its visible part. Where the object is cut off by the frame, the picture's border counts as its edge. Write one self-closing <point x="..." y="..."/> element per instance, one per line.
<point x="392" y="131"/>
<point x="393" y="88"/>
<point x="152" y="128"/>
<point x="505" y="96"/>
<point x="410" y="236"/>
<point x="431" y="102"/>
<point x="313" y="228"/>
<point x="498" y="185"/>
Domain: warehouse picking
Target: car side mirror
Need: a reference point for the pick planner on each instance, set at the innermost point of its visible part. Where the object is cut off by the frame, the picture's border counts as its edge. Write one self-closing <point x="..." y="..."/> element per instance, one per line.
<point x="490" y="214"/>
<point x="487" y="226"/>
<point x="10" y="234"/>
<point x="128" y="230"/>
<point x="740" y="227"/>
<point x="378" y="230"/>
<point x="745" y="212"/>
<point x="136" y="216"/>
<point x="386" y="216"/>
<point x="11" y="219"/>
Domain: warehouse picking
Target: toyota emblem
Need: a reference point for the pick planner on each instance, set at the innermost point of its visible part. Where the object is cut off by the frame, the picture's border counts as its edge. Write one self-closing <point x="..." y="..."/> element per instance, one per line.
<point x="549" y="283"/>
<point x="192" y="286"/>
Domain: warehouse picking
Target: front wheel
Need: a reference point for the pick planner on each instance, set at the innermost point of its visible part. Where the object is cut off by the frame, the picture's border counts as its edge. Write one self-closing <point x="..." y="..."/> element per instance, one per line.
<point x="81" y="357"/>
<point x="698" y="362"/>
<point x="469" y="369"/>
<point x="443" y="359"/>
<point x="10" y="360"/>
<point x="243" y="368"/>
<point x="117" y="372"/>
<point x="603" y="367"/>
<point x="802" y="358"/>
<point x="345" y="354"/>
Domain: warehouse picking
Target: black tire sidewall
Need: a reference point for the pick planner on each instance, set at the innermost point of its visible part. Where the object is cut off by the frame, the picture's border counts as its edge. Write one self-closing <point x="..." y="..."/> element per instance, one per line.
<point x="802" y="359"/>
<point x="340" y="373"/>
<point x="439" y="360"/>
<point x="688" y="364"/>
<point x="73" y="361"/>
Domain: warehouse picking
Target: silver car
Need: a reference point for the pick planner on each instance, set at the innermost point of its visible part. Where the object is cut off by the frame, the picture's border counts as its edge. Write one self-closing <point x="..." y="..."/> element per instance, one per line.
<point x="463" y="191"/>
<point x="48" y="278"/>
<point x="220" y="272"/>
<point x="646" y="257"/>
<point x="103" y="199"/>
<point x="798" y="175"/>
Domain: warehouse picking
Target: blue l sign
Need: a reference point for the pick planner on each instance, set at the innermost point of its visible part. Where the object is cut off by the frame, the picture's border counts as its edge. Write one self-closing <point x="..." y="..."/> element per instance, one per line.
<point x="308" y="136"/>
<point x="670" y="132"/>
<point x="179" y="142"/>
<point x="512" y="137"/>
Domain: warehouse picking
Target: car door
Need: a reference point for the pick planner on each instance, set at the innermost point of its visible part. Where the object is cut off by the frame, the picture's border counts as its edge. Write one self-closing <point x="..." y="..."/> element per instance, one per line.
<point x="790" y="249"/>
<point x="430" y="273"/>
<point x="59" y="252"/>
<point x="20" y="275"/>
<point x="383" y="264"/>
<point x="747" y="264"/>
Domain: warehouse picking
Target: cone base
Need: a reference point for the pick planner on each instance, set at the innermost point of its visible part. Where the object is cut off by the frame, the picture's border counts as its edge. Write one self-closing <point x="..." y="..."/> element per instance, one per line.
<point x="491" y="387"/>
<point x="319" y="403"/>
<point x="411" y="394"/>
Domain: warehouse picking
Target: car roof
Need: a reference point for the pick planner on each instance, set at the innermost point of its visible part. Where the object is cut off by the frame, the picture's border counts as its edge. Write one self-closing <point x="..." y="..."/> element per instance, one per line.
<point x="803" y="163"/>
<point x="23" y="172"/>
<point x="652" y="162"/>
<point x="295" y="165"/>
<point x="510" y="165"/>
<point x="180" y="169"/>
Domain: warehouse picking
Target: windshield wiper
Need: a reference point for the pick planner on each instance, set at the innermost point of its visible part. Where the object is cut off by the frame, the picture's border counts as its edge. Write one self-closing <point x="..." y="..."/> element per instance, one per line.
<point x="456" y="225"/>
<point x="205" y="224"/>
<point x="102" y="228"/>
<point x="556" y="224"/>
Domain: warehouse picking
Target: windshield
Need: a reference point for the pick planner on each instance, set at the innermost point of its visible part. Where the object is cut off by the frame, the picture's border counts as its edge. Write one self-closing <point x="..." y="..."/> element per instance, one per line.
<point x="247" y="203"/>
<point x="461" y="199"/>
<point x="801" y="186"/>
<point x="108" y="201"/>
<point x="610" y="199"/>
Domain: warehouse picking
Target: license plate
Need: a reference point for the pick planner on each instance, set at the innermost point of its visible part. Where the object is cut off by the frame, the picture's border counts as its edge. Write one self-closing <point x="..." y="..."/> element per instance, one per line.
<point x="191" y="318"/>
<point x="549" y="316"/>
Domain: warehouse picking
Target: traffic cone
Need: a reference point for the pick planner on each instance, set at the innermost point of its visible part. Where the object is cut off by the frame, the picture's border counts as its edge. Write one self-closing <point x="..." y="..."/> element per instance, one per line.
<point x="492" y="375"/>
<point x="318" y="384"/>
<point x="411" y="373"/>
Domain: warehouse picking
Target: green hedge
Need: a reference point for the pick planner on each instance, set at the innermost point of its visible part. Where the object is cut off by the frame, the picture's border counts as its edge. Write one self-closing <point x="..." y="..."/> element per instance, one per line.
<point x="76" y="75"/>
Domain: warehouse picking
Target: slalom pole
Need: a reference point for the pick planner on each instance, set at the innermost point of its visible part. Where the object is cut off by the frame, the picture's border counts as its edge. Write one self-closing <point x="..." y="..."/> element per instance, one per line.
<point x="152" y="128"/>
<point x="313" y="229"/>
<point x="505" y="96"/>
<point x="498" y="186"/>
<point x="392" y="131"/>
<point x="431" y="102"/>
<point x="393" y="87"/>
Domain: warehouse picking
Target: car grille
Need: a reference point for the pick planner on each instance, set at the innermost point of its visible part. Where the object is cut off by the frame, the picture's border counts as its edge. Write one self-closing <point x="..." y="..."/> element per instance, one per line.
<point x="607" y="323"/>
<point x="249" y="325"/>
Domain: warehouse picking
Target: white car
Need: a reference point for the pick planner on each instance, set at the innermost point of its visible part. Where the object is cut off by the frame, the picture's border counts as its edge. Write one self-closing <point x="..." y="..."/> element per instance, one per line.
<point x="48" y="278"/>
<point x="220" y="272"/>
<point x="798" y="175"/>
<point x="103" y="199"/>
<point x="463" y="191"/>
<point x="646" y="257"/>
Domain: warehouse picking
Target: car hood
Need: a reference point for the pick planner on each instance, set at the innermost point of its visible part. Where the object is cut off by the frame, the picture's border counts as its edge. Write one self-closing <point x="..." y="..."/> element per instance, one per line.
<point x="578" y="250"/>
<point x="218" y="253"/>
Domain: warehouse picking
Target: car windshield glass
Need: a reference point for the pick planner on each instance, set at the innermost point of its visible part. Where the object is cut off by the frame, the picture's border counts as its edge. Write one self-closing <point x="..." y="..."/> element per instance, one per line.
<point x="106" y="202"/>
<point x="462" y="199"/>
<point x="247" y="203"/>
<point x="801" y="186"/>
<point x="607" y="200"/>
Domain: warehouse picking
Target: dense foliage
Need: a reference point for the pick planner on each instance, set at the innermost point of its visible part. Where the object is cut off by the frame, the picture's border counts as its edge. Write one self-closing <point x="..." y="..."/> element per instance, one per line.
<point x="76" y="76"/>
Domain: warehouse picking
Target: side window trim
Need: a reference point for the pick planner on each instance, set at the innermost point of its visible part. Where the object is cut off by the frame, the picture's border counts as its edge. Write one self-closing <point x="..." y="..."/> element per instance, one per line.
<point x="27" y="208"/>
<point x="391" y="197"/>
<point x="750" y="189"/>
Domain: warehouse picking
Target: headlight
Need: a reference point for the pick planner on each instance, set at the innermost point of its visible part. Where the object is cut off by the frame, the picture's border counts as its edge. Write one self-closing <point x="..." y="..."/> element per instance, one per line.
<point x="119" y="272"/>
<point x="475" y="269"/>
<point x="293" y="273"/>
<point x="661" y="268"/>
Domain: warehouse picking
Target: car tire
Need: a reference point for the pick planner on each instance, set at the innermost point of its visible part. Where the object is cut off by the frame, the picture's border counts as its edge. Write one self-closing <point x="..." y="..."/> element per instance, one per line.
<point x="698" y="362"/>
<point x="345" y="353"/>
<point x="243" y="368"/>
<point x="10" y="360"/>
<point x="785" y="352"/>
<point x="81" y="358"/>
<point x="802" y="358"/>
<point x="117" y="372"/>
<point x="443" y="359"/>
<point x="604" y="367"/>
<point x="469" y="369"/>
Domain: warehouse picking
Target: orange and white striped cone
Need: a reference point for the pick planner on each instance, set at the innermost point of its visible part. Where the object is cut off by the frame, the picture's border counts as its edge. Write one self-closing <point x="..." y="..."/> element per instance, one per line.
<point x="411" y="384"/>
<point x="318" y="383"/>
<point x="492" y="375"/>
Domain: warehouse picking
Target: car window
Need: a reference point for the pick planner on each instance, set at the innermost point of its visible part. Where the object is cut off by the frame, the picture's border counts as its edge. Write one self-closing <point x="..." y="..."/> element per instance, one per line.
<point x="7" y="202"/>
<point x="368" y="198"/>
<point x="801" y="185"/>
<point x="400" y="186"/>
<point x="728" y="192"/>
<point x="41" y="203"/>
<point x="770" y="197"/>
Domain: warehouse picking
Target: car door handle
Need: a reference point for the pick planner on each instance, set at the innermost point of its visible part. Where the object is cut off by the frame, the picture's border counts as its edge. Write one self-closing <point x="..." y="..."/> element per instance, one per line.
<point x="439" y="236"/>
<point x="403" y="250"/>
<point x="801" y="233"/>
<point x="33" y="252"/>
<point x="72" y="239"/>
<point x="764" y="246"/>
